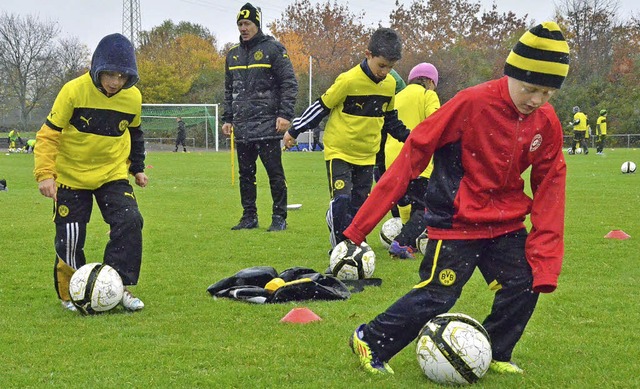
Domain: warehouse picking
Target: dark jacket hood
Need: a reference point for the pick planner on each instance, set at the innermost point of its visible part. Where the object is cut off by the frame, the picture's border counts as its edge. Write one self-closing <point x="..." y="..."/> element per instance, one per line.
<point x="114" y="53"/>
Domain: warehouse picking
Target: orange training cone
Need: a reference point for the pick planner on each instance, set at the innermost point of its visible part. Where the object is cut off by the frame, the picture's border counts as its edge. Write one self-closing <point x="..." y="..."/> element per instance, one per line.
<point x="300" y="315"/>
<point x="617" y="234"/>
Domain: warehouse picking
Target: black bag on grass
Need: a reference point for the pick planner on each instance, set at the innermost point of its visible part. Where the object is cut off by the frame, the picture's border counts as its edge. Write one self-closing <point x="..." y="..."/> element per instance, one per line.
<point x="294" y="284"/>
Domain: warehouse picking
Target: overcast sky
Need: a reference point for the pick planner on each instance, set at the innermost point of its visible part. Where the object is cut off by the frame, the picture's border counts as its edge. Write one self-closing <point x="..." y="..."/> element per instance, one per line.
<point x="90" y="20"/>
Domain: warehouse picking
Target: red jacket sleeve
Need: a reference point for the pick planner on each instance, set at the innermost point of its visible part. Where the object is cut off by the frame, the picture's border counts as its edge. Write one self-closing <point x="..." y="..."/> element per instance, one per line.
<point x="545" y="244"/>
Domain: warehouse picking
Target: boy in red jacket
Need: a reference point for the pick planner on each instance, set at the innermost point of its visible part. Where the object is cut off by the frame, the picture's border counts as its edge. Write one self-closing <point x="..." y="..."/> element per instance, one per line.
<point x="481" y="141"/>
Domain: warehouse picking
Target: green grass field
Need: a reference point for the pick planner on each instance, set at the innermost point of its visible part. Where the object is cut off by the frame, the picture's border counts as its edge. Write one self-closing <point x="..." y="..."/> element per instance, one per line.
<point x="585" y="335"/>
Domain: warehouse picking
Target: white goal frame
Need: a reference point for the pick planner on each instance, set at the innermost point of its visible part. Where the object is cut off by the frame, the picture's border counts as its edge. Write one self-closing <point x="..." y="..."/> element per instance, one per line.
<point x="206" y="121"/>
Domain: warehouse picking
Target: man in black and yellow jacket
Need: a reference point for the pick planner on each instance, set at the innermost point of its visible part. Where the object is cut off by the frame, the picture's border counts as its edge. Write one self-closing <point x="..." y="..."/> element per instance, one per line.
<point x="259" y="97"/>
<point x="89" y="144"/>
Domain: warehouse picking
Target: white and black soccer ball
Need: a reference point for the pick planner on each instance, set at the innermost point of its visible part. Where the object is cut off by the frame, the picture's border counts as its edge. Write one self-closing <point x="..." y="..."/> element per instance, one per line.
<point x="578" y="150"/>
<point x="95" y="287"/>
<point x="454" y="349"/>
<point x="421" y="242"/>
<point x="628" y="167"/>
<point x="351" y="262"/>
<point x="390" y="229"/>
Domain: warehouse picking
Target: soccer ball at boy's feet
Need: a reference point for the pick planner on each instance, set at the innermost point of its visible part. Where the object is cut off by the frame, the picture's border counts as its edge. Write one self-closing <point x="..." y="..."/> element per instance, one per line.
<point x="628" y="167"/>
<point x="454" y="348"/>
<point x="95" y="287"/>
<point x="578" y="150"/>
<point x="351" y="262"/>
<point x="421" y="242"/>
<point x="390" y="229"/>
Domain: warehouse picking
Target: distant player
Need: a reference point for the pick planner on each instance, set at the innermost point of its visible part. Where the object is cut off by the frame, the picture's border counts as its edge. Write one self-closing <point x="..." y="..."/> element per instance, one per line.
<point x="181" y="137"/>
<point x="601" y="131"/>
<point x="580" y="128"/>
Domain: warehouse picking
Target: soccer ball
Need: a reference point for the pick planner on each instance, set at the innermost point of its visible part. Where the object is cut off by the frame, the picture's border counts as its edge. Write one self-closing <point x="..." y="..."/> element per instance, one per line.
<point x="95" y="287"/>
<point x="390" y="229"/>
<point x="421" y="242"/>
<point x="351" y="262"/>
<point x="579" y="150"/>
<point x="454" y="349"/>
<point x="628" y="167"/>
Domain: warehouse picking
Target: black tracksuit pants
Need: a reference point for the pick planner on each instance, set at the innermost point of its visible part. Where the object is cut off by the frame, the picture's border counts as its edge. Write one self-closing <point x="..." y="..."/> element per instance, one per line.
<point x="119" y="209"/>
<point x="445" y="269"/>
<point x="270" y="153"/>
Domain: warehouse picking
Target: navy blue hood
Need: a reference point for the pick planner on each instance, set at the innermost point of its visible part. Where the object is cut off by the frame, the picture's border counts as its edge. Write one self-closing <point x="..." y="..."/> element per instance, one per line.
<point x="114" y="53"/>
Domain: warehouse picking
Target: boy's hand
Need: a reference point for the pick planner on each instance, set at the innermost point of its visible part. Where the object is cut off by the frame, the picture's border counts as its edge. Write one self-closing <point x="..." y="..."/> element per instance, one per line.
<point x="289" y="141"/>
<point x="282" y="125"/>
<point x="141" y="179"/>
<point x="48" y="188"/>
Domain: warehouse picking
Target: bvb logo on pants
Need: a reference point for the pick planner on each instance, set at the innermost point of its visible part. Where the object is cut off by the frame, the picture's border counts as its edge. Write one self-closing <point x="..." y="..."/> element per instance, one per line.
<point x="63" y="210"/>
<point x="447" y="277"/>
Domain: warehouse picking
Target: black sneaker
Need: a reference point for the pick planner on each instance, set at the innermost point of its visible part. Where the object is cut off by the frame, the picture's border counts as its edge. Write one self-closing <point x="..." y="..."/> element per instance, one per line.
<point x="246" y="223"/>
<point x="278" y="223"/>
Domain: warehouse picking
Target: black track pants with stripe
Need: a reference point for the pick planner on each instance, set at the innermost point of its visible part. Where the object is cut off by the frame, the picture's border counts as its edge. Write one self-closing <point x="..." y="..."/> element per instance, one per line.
<point x="119" y="209"/>
<point x="446" y="268"/>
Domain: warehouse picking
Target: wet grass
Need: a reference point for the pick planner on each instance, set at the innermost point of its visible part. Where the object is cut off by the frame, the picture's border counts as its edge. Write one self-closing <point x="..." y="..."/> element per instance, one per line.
<point x="581" y="336"/>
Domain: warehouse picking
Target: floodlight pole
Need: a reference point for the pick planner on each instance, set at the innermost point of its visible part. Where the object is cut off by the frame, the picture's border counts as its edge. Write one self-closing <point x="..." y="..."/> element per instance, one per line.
<point x="310" y="136"/>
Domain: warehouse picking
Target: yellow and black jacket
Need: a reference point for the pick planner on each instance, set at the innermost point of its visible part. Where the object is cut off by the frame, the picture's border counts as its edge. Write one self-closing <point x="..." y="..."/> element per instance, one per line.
<point x="601" y="125"/>
<point x="260" y="86"/>
<point x="89" y="139"/>
<point x="359" y="107"/>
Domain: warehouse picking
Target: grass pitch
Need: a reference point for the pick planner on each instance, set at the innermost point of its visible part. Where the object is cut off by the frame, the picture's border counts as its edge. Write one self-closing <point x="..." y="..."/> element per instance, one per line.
<point x="582" y="336"/>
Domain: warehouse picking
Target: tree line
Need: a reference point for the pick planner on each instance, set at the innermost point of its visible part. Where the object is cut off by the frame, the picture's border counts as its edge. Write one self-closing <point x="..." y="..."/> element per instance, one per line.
<point x="184" y="63"/>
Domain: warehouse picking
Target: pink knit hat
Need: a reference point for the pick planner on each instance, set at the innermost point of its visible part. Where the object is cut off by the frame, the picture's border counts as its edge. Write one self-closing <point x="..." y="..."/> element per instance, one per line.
<point x="424" y="70"/>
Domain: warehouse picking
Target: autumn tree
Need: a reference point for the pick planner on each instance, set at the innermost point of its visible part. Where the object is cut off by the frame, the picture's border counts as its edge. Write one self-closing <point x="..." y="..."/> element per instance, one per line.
<point x="466" y="44"/>
<point x="294" y="44"/>
<point x="179" y="64"/>
<point x="590" y="27"/>
<point x="603" y="72"/>
<point x="73" y="59"/>
<point x="623" y="79"/>
<point x="34" y="64"/>
<point x="328" y="32"/>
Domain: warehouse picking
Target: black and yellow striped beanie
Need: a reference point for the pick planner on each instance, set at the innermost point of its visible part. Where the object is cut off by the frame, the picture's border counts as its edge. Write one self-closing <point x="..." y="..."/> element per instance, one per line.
<point x="249" y="12"/>
<point x="540" y="57"/>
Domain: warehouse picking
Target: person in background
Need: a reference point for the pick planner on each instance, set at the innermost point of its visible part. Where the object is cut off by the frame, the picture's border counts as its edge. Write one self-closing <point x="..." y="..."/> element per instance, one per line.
<point x="31" y="144"/>
<point x="379" y="167"/>
<point x="260" y="94"/>
<point x="580" y="128"/>
<point x="14" y="139"/>
<point x="88" y="146"/>
<point x="414" y="103"/>
<point x="360" y="104"/>
<point x="601" y="131"/>
<point x="182" y="135"/>
<point x="482" y="142"/>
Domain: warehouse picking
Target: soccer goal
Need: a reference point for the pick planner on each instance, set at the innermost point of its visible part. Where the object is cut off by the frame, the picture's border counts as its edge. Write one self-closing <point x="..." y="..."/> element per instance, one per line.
<point x="201" y="121"/>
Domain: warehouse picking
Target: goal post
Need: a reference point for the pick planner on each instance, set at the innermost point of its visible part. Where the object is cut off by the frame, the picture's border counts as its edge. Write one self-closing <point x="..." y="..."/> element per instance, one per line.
<point x="201" y="120"/>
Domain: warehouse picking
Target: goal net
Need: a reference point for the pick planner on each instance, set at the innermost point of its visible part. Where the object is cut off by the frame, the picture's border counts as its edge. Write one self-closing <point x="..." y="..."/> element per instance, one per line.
<point x="201" y="122"/>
